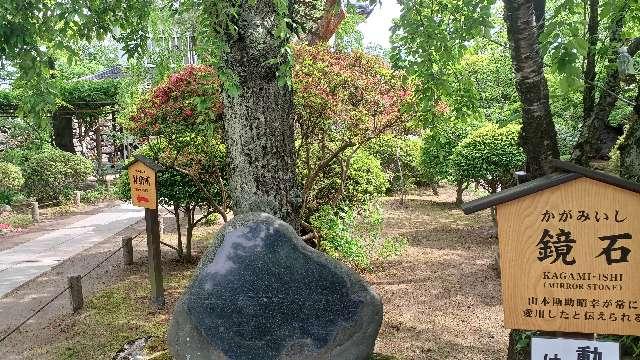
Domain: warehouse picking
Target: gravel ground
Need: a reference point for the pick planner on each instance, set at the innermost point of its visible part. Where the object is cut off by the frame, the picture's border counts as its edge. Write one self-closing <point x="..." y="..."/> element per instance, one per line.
<point x="442" y="297"/>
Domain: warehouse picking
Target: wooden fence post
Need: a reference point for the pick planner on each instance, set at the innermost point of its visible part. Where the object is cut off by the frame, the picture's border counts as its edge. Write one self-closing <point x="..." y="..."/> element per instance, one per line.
<point x="127" y="250"/>
<point x="75" y="290"/>
<point x="77" y="198"/>
<point x="154" y="256"/>
<point x="35" y="212"/>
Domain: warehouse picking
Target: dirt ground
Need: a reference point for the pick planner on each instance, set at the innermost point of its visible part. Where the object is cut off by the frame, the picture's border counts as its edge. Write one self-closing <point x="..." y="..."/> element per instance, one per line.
<point x="44" y="335"/>
<point x="442" y="296"/>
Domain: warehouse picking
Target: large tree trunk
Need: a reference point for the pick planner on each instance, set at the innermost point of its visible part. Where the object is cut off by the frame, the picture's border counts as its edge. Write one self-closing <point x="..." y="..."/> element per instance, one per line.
<point x="589" y="95"/>
<point x="538" y="137"/>
<point x="259" y="128"/>
<point x="589" y="144"/>
<point x="525" y="23"/>
<point x="630" y="145"/>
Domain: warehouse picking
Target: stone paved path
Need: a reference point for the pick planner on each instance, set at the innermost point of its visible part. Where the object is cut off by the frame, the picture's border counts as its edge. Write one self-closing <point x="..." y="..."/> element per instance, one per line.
<point x="24" y="262"/>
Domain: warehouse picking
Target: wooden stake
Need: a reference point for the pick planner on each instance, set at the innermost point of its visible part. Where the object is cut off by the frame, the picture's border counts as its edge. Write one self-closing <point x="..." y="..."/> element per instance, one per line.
<point x="35" y="212"/>
<point x="77" y="198"/>
<point x="155" y="266"/>
<point x="127" y="250"/>
<point x="75" y="290"/>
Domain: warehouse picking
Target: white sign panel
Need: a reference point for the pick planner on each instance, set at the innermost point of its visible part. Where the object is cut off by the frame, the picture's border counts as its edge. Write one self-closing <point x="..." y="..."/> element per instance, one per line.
<point x="568" y="349"/>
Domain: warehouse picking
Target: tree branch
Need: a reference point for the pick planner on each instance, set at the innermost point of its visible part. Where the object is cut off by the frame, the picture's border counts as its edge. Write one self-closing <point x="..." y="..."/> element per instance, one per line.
<point x="206" y="192"/>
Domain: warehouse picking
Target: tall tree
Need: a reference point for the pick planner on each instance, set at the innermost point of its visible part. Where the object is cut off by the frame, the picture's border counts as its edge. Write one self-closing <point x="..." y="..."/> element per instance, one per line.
<point x="630" y="145"/>
<point x="589" y="95"/>
<point x="246" y="40"/>
<point x="538" y="137"/>
<point x="589" y="143"/>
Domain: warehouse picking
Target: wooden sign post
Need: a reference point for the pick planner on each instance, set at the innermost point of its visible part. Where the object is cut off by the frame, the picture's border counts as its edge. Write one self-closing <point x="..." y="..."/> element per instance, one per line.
<point x="569" y="252"/>
<point x="142" y="178"/>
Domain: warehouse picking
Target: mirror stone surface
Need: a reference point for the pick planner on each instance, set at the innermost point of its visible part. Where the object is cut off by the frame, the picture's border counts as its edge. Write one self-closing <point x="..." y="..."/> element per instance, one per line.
<point x="261" y="293"/>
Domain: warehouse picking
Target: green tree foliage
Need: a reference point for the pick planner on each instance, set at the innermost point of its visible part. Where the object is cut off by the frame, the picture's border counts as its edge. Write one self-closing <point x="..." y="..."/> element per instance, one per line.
<point x="354" y="186"/>
<point x="72" y="93"/>
<point x="400" y="160"/>
<point x="341" y="102"/>
<point x="430" y="38"/>
<point x="32" y="33"/>
<point x="565" y="46"/>
<point x="92" y="57"/>
<point x="180" y="122"/>
<point x="78" y="93"/>
<point x="52" y="174"/>
<point x="489" y="156"/>
<point x="438" y="144"/>
<point x="348" y="38"/>
<point x="487" y="86"/>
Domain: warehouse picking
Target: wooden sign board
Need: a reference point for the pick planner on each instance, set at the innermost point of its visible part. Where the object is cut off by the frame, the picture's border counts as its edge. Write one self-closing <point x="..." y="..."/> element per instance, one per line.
<point x="570" y="259"/>
<point x="142" y="179"/>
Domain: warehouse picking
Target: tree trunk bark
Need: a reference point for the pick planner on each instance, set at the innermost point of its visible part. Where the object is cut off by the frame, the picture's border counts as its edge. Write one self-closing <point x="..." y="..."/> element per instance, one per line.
<point x="328" y="24"/>
<point x="589" y="142"/>
<point x="434" y="188"/>
<point x="630" y="146"/>
<point x="589" y="95"/>
<point x="187" y="248"/>
<point x="459" y="192"/>
<point x="538" y="136"/>
<point x="259" y="126"/>
<point x="176" y="212"/>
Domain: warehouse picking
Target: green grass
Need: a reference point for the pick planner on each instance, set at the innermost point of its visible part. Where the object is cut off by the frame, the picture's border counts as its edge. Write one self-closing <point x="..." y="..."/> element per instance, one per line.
<point x="113" y="317"/>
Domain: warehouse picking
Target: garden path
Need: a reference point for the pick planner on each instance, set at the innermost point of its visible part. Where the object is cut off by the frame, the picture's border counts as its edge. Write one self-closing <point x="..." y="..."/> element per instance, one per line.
<point x="442" y="296"/>
<point x="24" y="262"/>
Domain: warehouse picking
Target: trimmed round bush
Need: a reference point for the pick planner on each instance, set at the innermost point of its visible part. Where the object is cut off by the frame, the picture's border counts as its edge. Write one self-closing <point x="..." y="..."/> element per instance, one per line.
<point x="364" y="180"/>
<point x="489" y="156"/>
<point x="11" y="182"/>
<point x="399" y="155"/>
<point x="53" y="174"/>
<point x="10" y="177"/>
<point x="437" y="147"/>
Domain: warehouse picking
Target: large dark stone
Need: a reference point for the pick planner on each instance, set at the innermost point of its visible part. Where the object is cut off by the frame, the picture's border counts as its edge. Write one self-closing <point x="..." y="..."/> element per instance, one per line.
<point x="261" y="293"/>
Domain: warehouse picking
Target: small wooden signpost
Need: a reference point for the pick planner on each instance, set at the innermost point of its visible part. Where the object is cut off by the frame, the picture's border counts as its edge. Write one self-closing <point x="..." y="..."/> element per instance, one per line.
<point x="142" y="178"/>
<point x="569" y="252"/>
